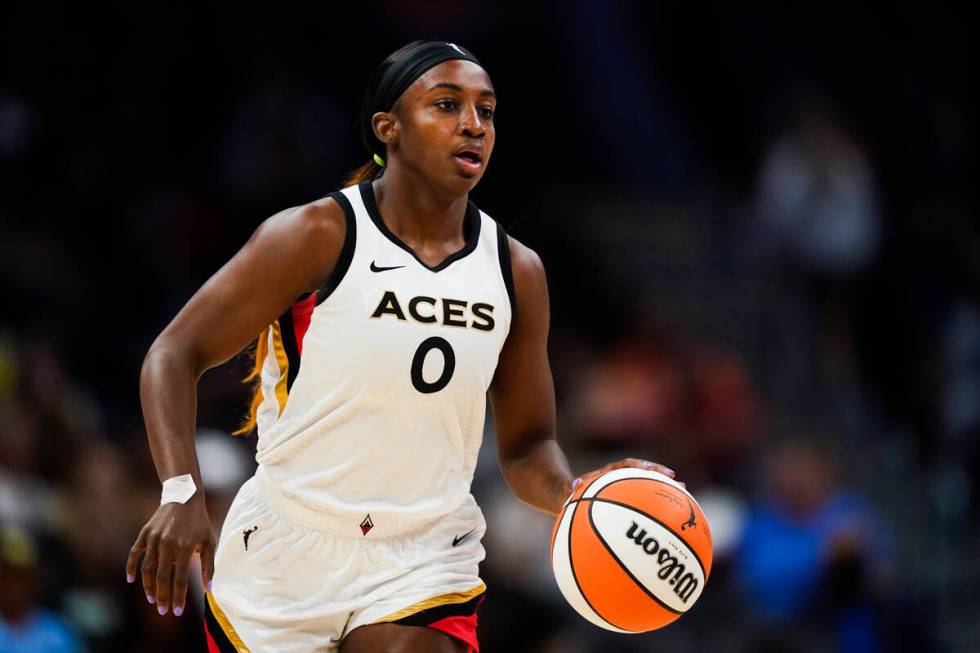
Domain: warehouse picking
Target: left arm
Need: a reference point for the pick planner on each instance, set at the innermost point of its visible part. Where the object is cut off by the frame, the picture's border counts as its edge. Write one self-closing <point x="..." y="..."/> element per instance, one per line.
<point x="522" y="396"/>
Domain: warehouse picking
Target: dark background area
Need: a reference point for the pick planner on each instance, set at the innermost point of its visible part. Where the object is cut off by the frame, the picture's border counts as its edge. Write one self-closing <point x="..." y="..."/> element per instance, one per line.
<point x="762" y="250"/>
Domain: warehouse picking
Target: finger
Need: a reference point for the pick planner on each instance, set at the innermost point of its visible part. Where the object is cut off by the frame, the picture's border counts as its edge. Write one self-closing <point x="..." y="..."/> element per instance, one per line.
<point x="182" y="563"/>
<point x="132" y="561"/>
<point x="644" y="464"/>
<point x="164" y="577"/>
<point x="207" y="563"/>
<point x="149" y="568"/>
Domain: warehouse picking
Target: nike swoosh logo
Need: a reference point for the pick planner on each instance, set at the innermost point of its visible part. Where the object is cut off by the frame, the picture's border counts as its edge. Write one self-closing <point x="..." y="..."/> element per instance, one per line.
<point x="375" y="268"/>
<point x="457" y="540"/>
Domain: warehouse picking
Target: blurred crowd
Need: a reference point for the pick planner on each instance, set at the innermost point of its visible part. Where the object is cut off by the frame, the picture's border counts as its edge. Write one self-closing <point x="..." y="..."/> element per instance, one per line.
<point x="779" y="300"/>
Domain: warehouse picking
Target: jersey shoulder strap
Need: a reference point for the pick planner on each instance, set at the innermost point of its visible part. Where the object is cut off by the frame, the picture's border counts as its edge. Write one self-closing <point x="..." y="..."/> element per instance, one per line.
<point x="346" y="252"/>
<point x="506" y="270"/>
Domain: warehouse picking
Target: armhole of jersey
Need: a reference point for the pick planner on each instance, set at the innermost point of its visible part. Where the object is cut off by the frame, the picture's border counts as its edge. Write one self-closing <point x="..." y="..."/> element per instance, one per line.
<point x="346" y="252"/>
<point x="503" y="252"/>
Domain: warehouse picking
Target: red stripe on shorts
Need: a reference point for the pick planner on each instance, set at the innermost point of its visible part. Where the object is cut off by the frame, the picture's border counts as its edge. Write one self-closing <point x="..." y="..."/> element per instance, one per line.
<point x="462" y="628"/>
<point x="212" y="647"/>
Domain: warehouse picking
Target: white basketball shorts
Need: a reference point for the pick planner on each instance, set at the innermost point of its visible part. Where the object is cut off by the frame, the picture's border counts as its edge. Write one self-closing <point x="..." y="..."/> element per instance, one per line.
<point x="284" y="587"/>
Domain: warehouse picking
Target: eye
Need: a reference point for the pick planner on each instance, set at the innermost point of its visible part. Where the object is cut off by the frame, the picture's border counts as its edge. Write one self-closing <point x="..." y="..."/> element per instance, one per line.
<point x="452" y="103"/>
<point x="487" y="112"/>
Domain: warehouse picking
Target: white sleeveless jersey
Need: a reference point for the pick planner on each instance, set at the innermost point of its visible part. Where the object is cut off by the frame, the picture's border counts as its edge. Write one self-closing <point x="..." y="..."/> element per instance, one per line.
<point x="374" y="387"/>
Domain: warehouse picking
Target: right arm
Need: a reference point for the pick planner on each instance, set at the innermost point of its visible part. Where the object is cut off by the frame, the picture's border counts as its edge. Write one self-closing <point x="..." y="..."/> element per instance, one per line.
<point x="290" y="254"/>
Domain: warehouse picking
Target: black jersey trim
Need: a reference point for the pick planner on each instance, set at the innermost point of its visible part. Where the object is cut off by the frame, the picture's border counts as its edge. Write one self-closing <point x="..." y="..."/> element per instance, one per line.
<point x="506" y="269"/>
<point x="346" y="252"/>
<point x="287" y="332"/>
<point x="471" y="229"/>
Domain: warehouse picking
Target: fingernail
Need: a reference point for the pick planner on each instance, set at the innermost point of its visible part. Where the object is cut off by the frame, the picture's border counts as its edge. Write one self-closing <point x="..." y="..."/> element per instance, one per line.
<point x="648" y="465"/>
<point x="682" y="484"/>
<point x="576" y="483"/>
<point x="209" y="585"/>
<point x="669" y="471"/>
<point x="129" y="579"/>
<point x="162" y="610"/>
<point x="150" y="599"/>
<point x="178" y="611"/>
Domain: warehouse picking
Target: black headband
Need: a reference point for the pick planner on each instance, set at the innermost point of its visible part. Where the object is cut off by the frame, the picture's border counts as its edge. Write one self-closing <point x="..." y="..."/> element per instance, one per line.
<point x="398" y="75"/>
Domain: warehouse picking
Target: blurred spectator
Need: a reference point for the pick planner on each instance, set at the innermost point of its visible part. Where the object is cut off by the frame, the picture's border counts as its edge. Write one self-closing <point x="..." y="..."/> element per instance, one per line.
<point x="811" y="549"/>
<point x="691" y="404"/>
<point x="816" y="202"/>
<point x="633" y="392"/>
<point x="817" y="225"/>
<point x="25" y="499"/>
<point x="27" y="627"/>
<point x="99" y="512"/>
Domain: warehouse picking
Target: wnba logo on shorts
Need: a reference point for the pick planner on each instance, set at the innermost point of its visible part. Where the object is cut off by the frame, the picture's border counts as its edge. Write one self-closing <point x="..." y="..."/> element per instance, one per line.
<point x="671" y="569"/>
<point x="366" y="525"/>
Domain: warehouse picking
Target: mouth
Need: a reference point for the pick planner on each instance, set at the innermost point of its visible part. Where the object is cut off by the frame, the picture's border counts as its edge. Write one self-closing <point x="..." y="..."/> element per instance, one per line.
<point x="468" y="160"/>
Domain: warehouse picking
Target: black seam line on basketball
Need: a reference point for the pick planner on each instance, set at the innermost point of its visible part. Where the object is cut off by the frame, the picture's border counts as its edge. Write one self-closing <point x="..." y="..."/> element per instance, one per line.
<point x="471" y="229"/>
<point x="625" y="568"/>
<point x="571" y="567"/>
<point x="591" y="483"/>
<point x="346" y="253"/>
<point x="687" y="546"/>
<point x="704" y="574"/>
<point x="586" y="488"/>
<point x="218" y="634"/>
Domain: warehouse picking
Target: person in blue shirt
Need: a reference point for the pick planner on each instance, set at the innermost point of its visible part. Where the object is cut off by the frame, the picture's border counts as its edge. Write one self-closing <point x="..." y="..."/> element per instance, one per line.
<point x="811" y="552"/>
<point x="25" y="626"/>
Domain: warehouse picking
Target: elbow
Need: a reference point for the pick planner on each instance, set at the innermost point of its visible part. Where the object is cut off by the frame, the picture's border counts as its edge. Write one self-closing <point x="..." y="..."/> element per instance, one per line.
<point x="167" y="356"/>
<point x="525" y="446"/>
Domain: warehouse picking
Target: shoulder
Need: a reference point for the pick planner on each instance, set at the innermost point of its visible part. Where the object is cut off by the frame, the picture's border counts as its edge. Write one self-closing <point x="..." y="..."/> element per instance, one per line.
<point x="316" y="229"/>
<point x="322" y="220"/>
<point x="308" y="238"/>
<point x="529" y="287"/>
<point x="526" y="265"/>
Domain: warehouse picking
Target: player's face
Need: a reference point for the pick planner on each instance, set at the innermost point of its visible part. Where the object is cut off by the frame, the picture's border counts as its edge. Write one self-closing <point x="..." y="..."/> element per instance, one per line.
<point x="446" y="124"/>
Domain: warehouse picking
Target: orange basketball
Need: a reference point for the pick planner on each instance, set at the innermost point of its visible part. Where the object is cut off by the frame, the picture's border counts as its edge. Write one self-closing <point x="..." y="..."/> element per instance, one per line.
<point x="631" y="550"/>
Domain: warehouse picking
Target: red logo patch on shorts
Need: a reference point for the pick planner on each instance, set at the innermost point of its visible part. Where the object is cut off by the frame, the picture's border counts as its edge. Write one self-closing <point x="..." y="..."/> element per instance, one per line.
<point x="366" y="525"/>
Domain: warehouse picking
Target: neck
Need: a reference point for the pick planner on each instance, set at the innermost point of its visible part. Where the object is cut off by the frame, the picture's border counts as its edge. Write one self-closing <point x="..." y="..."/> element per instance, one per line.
<point x="422" y="215"/>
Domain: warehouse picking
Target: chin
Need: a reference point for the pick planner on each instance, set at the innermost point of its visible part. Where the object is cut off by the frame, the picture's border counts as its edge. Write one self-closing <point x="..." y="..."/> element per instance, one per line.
<point x="462" y="183"/>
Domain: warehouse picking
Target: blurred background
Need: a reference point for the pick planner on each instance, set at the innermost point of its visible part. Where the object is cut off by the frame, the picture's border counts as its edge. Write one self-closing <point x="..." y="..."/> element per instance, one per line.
<point x="763" y="255"/>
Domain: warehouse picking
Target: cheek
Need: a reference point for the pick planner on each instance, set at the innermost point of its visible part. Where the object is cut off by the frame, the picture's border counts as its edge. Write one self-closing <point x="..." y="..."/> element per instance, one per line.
<point x="428" y="136"/>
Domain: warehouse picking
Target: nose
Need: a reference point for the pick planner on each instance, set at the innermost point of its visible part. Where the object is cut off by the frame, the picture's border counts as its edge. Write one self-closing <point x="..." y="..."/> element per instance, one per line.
<point x="471" y="122"/>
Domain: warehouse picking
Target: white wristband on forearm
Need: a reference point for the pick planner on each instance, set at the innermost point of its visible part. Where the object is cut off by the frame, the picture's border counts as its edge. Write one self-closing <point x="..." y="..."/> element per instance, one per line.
<point x="178" y="489"/>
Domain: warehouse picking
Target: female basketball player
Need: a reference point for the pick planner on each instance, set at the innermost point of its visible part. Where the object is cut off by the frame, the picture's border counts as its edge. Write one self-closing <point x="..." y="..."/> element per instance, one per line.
<point x="358" y="527"/>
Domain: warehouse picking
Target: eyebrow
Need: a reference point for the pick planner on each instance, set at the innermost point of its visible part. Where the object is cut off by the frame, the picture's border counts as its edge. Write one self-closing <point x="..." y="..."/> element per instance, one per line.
<point x="456" y="87"/>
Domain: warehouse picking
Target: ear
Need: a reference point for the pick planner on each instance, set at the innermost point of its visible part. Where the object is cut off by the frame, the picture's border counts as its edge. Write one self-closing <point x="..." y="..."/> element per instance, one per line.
<point x="385" y="127"/>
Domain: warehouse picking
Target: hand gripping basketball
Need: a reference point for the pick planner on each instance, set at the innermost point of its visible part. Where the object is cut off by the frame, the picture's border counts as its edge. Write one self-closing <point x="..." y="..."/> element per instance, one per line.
<point x="631" y="549"/>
